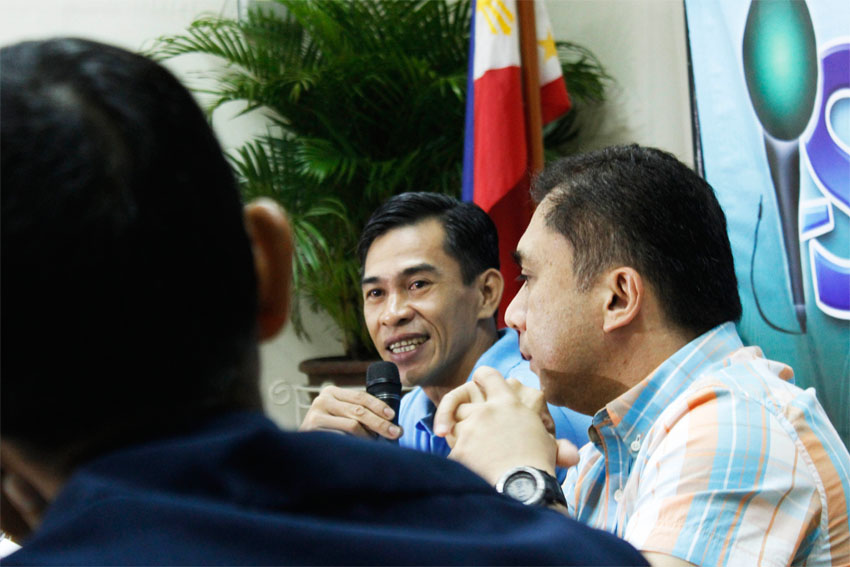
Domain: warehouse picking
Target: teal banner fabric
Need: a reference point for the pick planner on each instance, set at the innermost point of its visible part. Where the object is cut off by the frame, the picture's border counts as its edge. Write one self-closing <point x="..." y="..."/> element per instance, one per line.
<point x="771" y="86"/>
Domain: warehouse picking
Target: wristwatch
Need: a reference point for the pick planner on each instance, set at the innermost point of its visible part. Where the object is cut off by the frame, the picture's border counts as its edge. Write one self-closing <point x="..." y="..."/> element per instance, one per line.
<point x="531" y="486"/>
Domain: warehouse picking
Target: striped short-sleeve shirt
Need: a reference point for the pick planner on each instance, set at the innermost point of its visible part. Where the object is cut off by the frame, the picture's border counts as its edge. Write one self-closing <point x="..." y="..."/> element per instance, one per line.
<point x="718" y="459"/>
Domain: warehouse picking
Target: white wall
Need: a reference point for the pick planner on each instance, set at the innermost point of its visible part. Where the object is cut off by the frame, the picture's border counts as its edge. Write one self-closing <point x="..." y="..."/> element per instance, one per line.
<point x="642" y="45"/>
<point x="641" y="42"/>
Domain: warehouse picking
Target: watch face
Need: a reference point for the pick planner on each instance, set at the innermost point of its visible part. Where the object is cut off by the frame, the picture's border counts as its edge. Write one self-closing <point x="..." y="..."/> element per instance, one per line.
<point x="521" y="486"/>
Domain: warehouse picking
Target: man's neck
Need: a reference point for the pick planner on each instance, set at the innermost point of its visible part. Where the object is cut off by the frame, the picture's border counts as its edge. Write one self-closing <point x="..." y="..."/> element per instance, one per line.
<point x="486" y="337"/>
<point x="641" y="353"/>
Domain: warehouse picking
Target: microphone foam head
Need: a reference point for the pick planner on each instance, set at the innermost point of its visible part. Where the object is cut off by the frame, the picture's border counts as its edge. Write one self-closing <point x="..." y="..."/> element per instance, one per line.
<point x="382" y="376"/>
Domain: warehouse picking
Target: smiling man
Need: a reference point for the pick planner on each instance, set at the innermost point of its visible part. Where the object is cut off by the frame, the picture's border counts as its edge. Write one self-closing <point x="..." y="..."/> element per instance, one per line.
<point x="431" y="287"/>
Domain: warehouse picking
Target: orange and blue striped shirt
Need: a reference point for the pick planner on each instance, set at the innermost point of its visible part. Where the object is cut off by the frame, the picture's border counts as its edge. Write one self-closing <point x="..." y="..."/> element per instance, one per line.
<point x="718" y="459"/>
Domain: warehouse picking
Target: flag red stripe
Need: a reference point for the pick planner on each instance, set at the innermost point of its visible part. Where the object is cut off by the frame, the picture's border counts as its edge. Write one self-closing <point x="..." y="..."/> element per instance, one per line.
<point x="511" y="215"/>
<point x="554" y="100"/>
<point x="500" y="147"/>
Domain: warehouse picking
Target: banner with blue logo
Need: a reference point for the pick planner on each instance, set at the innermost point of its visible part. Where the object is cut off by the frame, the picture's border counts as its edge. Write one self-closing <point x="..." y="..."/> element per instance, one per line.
<point x="771" y="82"/>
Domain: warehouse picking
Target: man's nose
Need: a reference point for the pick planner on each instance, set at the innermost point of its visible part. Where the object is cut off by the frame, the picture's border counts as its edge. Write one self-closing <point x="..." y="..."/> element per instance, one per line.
<point x="397" y="311"/>
<point x="515" y="313"/>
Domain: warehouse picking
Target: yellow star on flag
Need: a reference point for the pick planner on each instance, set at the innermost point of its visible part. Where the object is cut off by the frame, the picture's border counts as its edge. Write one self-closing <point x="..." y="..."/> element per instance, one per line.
<point x="548" y="46"/>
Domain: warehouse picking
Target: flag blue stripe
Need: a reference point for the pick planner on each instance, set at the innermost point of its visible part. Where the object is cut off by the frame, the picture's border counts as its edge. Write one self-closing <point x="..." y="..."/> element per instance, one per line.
<point x="468" y="187"/>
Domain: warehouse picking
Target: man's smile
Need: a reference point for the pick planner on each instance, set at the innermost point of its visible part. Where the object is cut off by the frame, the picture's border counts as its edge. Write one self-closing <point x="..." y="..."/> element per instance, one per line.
<point x="403" y="345"/>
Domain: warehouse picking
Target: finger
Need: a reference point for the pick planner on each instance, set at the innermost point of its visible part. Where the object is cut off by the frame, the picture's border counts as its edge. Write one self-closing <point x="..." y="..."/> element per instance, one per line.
<point x="349" y="418"/>
<point x="534" y="400"/>
<point x="350" y="411"/>
<point x="567" y="454"/>
<point x="464" y="411"/>
<point x="445" y="419"/>
<point x="547" y="420"/>
<point x="530" y="397"/>
<point x="492" y="383"/>
<point x="353" y="427"/>
<point x="358" y="397"/>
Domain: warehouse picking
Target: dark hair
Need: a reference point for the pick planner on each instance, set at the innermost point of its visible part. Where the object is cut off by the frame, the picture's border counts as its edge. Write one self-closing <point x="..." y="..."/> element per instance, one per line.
<point x="471" y="236"/>
<point x="641" y="207"/>
<point x="129" y="295"/>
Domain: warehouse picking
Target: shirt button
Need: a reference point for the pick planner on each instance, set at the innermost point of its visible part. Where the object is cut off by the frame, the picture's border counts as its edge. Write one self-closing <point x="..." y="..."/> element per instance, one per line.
<point x="635" y="446"/>
<point x="618" y="495"/>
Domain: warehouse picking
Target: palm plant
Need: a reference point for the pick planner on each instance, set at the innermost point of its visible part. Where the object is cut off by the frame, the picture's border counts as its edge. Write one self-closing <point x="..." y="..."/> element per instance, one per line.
<point x="365" y="100"/>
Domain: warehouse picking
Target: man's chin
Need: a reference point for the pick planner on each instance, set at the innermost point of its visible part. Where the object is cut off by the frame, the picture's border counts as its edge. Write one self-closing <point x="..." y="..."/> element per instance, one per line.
<point x="553" y="387"/>
<point x="408" y="379"/>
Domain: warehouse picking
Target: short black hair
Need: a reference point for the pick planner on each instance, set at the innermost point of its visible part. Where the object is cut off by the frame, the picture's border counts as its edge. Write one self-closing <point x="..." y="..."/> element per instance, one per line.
<point x="471" y="236"/>
<point x="129" y="294"/>
<point x="637" y="206"/>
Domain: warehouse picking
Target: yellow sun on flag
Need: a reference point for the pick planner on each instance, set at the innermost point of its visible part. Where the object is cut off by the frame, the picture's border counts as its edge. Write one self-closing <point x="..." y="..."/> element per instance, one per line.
<point x="548" y="46"/>
<point x="496" y="14"/>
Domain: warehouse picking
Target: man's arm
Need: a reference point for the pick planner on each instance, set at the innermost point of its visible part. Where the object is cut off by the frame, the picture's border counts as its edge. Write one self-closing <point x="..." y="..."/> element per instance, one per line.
<point x="350" y="411"/>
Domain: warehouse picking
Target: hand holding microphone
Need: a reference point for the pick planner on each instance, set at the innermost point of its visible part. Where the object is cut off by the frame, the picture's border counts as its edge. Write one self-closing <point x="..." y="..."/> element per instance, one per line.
<point x="382" y="382"/>
<point x="358" y="412"/>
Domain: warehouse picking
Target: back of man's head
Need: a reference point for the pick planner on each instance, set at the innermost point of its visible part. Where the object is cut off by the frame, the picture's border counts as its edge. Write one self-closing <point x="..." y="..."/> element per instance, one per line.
<point x="129" y="296"/>
<point x="629" y="205"/>
<point x="471" y="236"/>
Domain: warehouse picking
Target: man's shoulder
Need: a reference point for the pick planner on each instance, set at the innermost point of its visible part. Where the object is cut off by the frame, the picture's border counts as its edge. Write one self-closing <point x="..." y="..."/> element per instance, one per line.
<point x="746" y="410"/>
<point x="266" y="496"/>
<point x="747" y="380"/>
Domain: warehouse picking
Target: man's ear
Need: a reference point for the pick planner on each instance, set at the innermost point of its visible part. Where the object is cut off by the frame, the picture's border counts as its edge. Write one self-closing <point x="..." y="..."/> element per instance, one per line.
<point x="491" y="285"/>
<point x="624" y="292"/>
<point x="272" y="245"/>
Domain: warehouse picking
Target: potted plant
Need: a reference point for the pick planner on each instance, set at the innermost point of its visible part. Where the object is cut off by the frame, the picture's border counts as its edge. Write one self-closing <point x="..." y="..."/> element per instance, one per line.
<point x="365" y="100"/>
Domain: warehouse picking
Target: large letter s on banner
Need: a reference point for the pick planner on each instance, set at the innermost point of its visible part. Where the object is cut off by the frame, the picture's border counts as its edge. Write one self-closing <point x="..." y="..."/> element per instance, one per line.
<point x="828" y="161"/>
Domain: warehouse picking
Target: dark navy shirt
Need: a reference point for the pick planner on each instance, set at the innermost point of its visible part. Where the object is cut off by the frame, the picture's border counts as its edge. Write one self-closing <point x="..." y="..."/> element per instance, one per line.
<point x="239" y="491"/>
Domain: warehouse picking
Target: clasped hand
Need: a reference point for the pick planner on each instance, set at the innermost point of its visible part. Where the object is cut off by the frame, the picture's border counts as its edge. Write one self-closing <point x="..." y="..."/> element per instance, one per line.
<point x="493" y="425"/>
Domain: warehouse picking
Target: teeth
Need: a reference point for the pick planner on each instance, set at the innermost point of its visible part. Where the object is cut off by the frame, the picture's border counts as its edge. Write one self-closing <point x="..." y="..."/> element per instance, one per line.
<point x="406" y="346"/>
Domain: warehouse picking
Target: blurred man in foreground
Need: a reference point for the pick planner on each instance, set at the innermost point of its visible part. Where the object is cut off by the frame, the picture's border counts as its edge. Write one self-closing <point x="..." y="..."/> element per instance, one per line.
<point x="703" y="451"/>
<point x="135" y="293"/>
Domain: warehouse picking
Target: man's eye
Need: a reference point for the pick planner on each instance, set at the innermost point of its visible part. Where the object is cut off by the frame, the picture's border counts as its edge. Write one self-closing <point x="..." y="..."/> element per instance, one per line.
<point x="522" y="278"/>
<point x="373" y="293"/>
<point x="418" y="284"/>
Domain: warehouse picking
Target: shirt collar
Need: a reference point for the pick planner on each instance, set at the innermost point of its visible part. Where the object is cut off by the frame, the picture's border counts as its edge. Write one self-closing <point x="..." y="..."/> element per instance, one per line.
<point x="495" y="357"/>
<point x="630" y="416"/>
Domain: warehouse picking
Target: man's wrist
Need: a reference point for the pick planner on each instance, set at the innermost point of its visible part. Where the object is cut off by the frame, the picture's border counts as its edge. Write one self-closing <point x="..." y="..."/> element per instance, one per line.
<point x="532" y="487"/>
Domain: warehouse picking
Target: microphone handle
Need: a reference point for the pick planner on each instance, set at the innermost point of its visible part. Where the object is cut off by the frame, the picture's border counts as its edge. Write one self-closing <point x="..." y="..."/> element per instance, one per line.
<point x="392" y="400"/>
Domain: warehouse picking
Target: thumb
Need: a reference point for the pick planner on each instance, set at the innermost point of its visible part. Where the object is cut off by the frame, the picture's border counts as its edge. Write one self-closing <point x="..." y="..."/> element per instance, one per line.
<point x="567" y="454"/>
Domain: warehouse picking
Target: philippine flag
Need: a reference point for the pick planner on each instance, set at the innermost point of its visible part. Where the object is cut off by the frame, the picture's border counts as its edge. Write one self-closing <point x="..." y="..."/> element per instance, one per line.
<point x="495" y="162"/>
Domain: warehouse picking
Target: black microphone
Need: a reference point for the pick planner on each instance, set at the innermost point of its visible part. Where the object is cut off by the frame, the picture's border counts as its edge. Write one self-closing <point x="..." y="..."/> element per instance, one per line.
<point x="382" y="381"/>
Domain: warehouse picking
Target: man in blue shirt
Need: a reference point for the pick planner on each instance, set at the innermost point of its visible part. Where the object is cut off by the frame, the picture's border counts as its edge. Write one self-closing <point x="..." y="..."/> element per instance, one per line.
<point x="431" y="287"/>
<point x="136" y="290"/>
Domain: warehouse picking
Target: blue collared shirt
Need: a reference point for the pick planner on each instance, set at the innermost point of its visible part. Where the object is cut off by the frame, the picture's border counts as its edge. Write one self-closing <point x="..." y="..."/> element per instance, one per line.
<point x="416" y="414"/>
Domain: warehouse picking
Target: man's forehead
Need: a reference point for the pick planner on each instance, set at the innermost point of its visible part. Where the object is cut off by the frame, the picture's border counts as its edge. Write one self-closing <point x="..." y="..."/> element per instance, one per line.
<point x="401" y="271"/>
<point x="403" y="247"/>
<point x="539" y="242"/>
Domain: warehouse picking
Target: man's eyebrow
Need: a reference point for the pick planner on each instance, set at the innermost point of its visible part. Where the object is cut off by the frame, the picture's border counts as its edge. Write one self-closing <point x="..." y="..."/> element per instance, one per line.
<point x="423" y="267"/>
<point x="407" y="272"/>
<point x="517" y="256"/>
